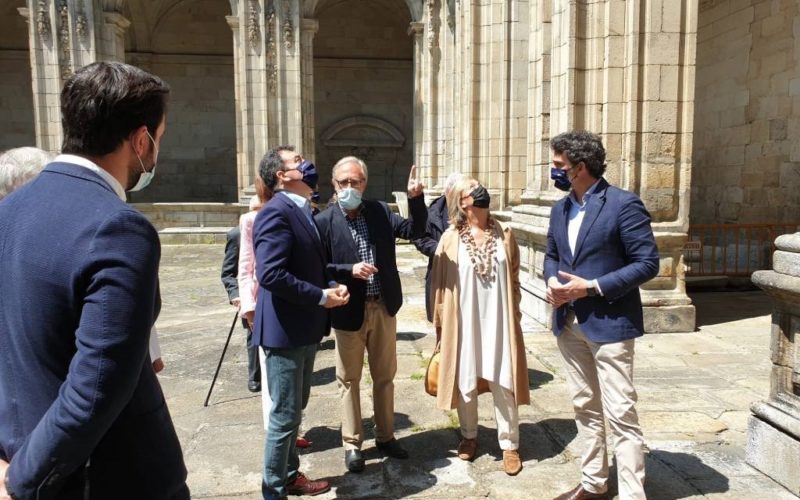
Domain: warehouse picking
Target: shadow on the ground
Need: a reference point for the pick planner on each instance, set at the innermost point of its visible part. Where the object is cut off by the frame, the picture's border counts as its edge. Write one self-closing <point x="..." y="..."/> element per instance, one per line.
<point x="323" y="376"/>
<point x="409" y="336"/>
<point x="327" y="345"/>
<point x="724" y="307"/>
<point x="537" y="378"/>
<point x="325" y="438"/>
<point x="696" y="477"/>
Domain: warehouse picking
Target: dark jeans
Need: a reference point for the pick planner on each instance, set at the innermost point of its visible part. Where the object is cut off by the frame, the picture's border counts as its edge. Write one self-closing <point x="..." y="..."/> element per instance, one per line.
<point x="289" y="379"/>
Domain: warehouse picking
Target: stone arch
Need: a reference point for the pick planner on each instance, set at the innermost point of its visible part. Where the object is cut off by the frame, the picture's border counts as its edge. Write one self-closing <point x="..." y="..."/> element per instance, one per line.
<point x="363" y="132"/>
<point x="364" y="90"/>
<point x="311" y="8"/>
<point x="189" y="44"/>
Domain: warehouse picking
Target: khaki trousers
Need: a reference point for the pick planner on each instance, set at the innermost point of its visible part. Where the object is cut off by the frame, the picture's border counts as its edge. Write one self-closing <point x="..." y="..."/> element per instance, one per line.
<point x="600" y="377"/>
<point x="506" y="416"/>
<point x="378" y="335"/>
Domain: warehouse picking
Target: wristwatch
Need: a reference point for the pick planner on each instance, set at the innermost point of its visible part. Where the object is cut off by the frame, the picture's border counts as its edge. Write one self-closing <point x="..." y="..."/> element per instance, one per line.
<point x="591" y="290"/>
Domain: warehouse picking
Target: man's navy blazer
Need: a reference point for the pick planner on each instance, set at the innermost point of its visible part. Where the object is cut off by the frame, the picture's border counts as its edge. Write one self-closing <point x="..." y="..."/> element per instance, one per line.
<point x="616" y="247"/>
<point x="383" y="226"/>
<point x="290" y="267"/>
<point x="438" y="222"/>
<point x="78" y="298"/>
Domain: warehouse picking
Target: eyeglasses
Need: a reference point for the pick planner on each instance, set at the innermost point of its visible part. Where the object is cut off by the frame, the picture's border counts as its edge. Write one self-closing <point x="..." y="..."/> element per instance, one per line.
<point x="350" y="182"/>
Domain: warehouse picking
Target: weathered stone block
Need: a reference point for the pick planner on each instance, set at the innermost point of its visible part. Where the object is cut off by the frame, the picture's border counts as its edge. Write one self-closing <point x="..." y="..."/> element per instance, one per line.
<point x="774" y="453"/>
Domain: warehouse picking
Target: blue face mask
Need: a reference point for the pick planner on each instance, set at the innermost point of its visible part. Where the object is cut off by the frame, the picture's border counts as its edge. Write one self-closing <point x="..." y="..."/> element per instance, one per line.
<point x="349" y="198"/>
<point x="562" y="179"/>
<point x="310" y="176"/>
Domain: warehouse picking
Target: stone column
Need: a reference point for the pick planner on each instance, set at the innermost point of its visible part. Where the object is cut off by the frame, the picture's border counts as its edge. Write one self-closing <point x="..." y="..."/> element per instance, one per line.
<point x="417" y="30"/>
<point x="309" y="28"/>
<point x="254" y="28"/>
<point x="773" y="433"/>
<point x="624" y="70"/>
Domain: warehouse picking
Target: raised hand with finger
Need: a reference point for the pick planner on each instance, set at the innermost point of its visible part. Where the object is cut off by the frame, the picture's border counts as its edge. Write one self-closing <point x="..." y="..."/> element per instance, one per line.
<point x="415" y="186"/>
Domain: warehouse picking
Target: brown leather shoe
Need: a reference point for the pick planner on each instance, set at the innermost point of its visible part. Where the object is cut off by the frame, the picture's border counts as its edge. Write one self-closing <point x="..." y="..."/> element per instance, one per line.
<point x="467" y="449"/>
<point x="511" y="462"/>
<point x="578" y="493"/>
<point x="304" y="486"/>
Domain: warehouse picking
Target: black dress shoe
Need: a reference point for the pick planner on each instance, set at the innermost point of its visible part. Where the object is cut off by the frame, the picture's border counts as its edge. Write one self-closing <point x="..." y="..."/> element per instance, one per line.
<point x="254" y="386"/>
<point x="353" y="460"/>
<point x="392" y="448"/>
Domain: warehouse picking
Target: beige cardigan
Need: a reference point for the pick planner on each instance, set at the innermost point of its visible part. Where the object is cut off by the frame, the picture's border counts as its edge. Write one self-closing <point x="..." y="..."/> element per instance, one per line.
<point x="447" y="314"/>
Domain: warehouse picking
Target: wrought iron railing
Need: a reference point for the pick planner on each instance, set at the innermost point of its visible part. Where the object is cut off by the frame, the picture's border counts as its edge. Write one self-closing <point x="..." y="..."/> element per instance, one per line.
<point x="731" y="249"/>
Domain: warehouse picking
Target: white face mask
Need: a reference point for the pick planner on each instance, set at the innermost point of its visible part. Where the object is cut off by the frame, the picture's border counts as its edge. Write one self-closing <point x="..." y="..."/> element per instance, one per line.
<point x="349" y="198"/>
<point x="146" y="177"/>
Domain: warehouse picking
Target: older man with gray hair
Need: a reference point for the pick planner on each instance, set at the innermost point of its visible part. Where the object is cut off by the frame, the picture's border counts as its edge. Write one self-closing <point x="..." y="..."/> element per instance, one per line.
<point x="438" y="222"/>
<point x="19" y="165"/>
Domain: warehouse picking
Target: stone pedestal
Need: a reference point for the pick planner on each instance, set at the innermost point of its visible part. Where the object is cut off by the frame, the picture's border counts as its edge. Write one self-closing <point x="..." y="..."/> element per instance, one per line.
<point x="773" y="434"/>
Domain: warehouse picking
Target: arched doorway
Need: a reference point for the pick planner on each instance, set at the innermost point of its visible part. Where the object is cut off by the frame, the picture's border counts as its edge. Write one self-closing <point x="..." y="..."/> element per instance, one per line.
<point x="363" y="91"/>
<point x="17" y="127"/>
<point x="188" y="43"/>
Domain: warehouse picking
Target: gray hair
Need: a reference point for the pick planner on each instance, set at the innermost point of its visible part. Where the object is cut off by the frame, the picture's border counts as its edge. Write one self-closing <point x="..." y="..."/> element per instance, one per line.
<point x="19" y="165"/>
<point x="451" y="181"/>
<point x="350" y="159"/>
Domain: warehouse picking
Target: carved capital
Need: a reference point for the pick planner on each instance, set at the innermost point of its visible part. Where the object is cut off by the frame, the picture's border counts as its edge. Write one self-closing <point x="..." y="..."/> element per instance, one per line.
<point x="43" y="20"/>
<point x="253" y="29"/>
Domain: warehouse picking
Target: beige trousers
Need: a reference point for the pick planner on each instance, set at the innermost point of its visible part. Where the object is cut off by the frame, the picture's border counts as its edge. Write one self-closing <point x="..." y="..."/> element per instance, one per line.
<point x="600" y="377"/>
<point x="378" y="337"/>
<point x="505" y="414"/>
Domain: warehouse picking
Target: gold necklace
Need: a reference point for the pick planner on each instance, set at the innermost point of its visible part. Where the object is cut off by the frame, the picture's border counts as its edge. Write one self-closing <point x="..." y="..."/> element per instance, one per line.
<point x="482" y="257"/>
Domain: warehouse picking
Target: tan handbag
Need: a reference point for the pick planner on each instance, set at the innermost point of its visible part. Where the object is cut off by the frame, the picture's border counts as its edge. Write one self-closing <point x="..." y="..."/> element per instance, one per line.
<point x="432" y="375"/>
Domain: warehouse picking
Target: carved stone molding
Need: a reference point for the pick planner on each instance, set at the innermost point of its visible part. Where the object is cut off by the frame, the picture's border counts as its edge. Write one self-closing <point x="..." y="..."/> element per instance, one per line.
<point x="65" y="53"/>
<point x="81" y="24"/>
<point x="433" y="24"/>
<point x="272" y="48"/>
<point x="451" y="14"/>
<point x="288" y="27"/>
<point x="43" y="20"/>
<point x="253" y="30"/>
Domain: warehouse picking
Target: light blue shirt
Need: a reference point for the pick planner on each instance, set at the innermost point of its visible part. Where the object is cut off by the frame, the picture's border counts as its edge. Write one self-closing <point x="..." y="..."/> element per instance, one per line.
<point x="577" y="211"/>
<point x="305" y="207"/>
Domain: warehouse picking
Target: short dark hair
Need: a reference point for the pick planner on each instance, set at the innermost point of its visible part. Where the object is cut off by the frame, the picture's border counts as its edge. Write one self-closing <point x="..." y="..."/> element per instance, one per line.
<point x="582" y="146"/>
<point x="271" y="164"/>
<point x="104" y="102"/>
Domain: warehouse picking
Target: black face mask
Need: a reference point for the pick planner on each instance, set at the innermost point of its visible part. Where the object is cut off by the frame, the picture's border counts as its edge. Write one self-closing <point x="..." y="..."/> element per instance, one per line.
<point x="480" y="197"/>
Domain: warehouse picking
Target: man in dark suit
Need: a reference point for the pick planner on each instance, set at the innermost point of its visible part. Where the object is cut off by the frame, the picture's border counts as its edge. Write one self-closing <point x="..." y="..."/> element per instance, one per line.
<point x="230" y="272"/>
<point x="359" y="236"/>
<point x="82" y="412"/>
<point x="438" y="222"/>
<point x="600" y="249"/>
<point x="291" y="317"/>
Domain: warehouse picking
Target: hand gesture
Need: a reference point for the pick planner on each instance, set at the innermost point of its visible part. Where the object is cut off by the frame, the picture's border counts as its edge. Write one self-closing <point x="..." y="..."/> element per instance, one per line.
<point x="573" y="289"/>
<point x="335" y="297"/>
<point x="363" y="270"/>
<point x="415" y="186"/>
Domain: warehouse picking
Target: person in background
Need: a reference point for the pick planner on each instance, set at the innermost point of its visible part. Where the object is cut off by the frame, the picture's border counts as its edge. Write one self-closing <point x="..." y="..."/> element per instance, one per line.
<point x="19" y="165"/>
<point x="438" y="221"/>
<point x="476" y="297"/>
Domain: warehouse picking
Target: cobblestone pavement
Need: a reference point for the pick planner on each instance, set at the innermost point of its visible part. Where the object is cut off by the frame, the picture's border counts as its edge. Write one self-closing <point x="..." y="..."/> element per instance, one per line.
<point x="694" y="388"/>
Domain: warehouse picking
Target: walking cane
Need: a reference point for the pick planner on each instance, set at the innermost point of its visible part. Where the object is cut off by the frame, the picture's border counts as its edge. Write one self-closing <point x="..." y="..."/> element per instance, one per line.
<point x="219" y="365"/>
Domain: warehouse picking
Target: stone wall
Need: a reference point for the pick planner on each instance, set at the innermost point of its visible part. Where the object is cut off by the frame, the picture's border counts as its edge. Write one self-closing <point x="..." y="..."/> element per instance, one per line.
<point x="747" y="113"/>
<point x="16" y="93"/>
<point x="191" y="47"/>
<point x="363" y="92"/>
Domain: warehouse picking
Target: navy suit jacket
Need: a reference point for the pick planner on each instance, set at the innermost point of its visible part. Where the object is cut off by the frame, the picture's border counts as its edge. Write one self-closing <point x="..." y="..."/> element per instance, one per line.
<point x="78" y="297"/>
<point x="383" y="226"/>
<point x="616" y="247"/>
<point x="438" y="222"/>
<point x="290" y="267"/>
